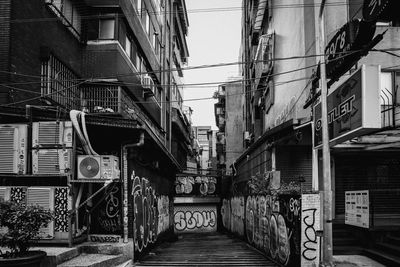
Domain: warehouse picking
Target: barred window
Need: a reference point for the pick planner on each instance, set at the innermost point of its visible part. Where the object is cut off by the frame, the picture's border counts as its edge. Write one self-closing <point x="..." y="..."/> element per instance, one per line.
<point x="59" y="84"/>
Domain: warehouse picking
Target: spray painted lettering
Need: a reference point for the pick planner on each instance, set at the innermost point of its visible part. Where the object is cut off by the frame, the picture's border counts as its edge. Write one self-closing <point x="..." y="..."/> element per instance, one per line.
<point x="147" y="215"/>
<point x="272" y="224"/>
<point x="195" y="219"/>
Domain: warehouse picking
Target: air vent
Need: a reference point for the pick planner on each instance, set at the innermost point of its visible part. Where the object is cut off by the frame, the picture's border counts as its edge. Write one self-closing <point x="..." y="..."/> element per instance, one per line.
<point x="13" y="148"/>
<point x="43" y="197"/>
<point x="51" y="161"/>
<point x="51" y="134"/>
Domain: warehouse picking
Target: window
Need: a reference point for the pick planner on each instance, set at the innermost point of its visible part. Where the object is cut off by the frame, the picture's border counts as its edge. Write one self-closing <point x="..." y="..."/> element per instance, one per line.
<point x="59" y="84"/>
<point x="106" y="29"/>
<point x="139" y="6"/>
<point x="128" y="46"/>
<point x="386" y="95"/>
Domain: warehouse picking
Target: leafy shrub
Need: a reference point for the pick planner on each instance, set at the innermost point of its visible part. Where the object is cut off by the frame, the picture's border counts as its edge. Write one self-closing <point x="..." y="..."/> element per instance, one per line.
<point x="22" y="224"/>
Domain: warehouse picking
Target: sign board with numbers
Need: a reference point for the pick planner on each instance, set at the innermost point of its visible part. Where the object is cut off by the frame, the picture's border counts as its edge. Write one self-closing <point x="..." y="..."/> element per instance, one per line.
<point x="343" y="50"/>
<point x="357" y="208"/>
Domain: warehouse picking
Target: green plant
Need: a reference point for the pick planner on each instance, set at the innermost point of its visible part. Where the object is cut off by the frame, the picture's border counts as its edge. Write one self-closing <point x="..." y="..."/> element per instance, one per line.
<point x="22" y="223"/>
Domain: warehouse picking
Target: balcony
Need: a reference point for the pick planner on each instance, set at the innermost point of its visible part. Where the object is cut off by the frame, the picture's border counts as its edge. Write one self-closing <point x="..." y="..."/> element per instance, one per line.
<point x="108" y="60"/>
<point x="180" y="126"/>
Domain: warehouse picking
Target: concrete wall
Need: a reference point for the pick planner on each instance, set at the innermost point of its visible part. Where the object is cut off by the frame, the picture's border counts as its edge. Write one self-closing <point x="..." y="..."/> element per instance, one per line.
<point x="234" y="122"/>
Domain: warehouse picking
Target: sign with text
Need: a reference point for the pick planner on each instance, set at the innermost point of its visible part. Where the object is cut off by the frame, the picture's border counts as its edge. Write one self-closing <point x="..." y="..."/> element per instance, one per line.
<point x="380" y="10"/>
<point x="353" y="108"/>
<point x="357" y="208"/>
<point x="340" y="51"/>
<point x="310" y="224"/>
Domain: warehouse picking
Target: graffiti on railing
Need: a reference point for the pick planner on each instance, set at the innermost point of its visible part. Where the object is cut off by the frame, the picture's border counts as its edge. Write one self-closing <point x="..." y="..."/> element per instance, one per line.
<point x="151" y="214"/>
<point x="270" y="223"/>
<point x="109" y="213"/>
<point x="195" y="218"/>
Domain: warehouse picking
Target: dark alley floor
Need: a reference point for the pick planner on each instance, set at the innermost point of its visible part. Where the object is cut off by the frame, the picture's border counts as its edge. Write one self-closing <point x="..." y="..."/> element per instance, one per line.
<point x="205" y="250"/>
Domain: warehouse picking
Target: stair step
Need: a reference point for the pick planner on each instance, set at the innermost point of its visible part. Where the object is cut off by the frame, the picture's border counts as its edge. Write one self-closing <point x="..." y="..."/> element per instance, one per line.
<point x="95" y="260"/>
<point x="128" y="263"/>
<point x="382" y="257"/>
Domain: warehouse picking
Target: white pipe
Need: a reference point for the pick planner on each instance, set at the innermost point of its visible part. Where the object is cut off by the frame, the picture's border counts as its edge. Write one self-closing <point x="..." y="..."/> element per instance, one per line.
<point x="86" y="136"/>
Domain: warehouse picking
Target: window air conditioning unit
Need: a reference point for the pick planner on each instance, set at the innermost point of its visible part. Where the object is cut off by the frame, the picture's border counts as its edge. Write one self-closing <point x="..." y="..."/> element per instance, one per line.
<point x="148" y="86"/>
<point x="98" y="167"/>
<point x="13" y="148"/>
<point x="246" y="136"/>
<point x="52" y="133"/>
<point x="43" y="197"/>
<point x="51" y="161"/>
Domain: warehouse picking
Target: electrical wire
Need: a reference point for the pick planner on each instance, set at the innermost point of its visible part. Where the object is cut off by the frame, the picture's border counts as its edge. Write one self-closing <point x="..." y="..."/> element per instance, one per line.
<point x="190" y="11"/>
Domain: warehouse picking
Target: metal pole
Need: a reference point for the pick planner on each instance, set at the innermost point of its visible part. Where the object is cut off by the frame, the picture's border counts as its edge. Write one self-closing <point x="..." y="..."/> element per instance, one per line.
<point x="327" y="246"/>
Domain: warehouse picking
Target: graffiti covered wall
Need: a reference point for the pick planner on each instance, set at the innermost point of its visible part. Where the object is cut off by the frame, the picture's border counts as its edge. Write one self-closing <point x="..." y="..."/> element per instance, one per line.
<point x="270" y="223"/>
<point x="195" y="219"/>
<point x="151" y="213"/>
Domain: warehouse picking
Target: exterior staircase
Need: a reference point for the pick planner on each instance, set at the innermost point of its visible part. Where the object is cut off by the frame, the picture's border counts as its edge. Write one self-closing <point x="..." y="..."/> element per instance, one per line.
<point x="91" y="255"/>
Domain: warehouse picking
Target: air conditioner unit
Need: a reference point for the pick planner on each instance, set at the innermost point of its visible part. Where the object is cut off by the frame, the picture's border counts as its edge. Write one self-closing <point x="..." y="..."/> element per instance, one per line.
<point x="148" y="86"/>
<point x="51" y="161"/>
<point x="246" y="136"/>
<point x="13" y="148"/>
<point x="98" y="167"/>
<point x="43" y="197"/>
<point x="52" y="133"/>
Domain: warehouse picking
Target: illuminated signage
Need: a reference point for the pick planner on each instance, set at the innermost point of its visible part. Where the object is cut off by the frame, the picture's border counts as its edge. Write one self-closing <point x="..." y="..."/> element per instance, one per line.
<point x="353" y="108"/>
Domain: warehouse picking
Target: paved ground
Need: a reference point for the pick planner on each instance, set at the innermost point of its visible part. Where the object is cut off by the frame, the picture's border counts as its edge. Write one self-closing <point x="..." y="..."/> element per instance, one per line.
<point x="205" y="250"/>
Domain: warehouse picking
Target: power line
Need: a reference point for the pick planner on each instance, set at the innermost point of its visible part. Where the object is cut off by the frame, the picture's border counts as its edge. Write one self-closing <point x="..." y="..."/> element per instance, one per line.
<point x="187" y="68"/>
<point x="190" y="11"/>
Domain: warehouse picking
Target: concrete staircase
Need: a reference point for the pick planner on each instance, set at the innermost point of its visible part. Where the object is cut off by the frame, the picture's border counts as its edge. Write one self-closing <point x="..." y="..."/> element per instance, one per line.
<point x="91" y="255"/>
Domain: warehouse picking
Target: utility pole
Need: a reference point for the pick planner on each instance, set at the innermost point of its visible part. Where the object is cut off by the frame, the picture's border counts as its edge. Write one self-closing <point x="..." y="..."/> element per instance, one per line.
<point x="327" y="246"/>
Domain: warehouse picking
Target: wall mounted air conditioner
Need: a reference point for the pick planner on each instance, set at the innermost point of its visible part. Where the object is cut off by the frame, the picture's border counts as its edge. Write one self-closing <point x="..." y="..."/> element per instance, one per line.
<point x="43" y="197"/>
<point x="98" y="167"/>
<point x="148" y="86"/>
<point x="51" y="161"/>
<point x="13" y="148"/>
<point x="246" y="136"/>
<point x="52" y="133"/>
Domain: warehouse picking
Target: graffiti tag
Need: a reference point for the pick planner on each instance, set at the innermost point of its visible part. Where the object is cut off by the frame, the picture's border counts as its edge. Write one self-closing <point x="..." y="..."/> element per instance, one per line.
<point x="192" y="220"/>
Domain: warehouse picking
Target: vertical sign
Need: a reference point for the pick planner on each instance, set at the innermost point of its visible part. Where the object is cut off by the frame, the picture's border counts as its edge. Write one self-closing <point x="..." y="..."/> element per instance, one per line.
<point x="310" y="223"/>
<point x="357" y="208"/>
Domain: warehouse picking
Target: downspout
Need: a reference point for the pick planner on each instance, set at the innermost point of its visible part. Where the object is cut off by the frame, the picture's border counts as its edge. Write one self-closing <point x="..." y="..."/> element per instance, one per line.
<point x="124" y="168"/>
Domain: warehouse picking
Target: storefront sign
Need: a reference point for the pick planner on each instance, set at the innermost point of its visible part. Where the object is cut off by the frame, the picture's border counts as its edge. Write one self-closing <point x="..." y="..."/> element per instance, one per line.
<point x="341" y="52"/>
<point x="380" y="10"/>
<point x="353" y="108"/>
<point x="357" y="208"/>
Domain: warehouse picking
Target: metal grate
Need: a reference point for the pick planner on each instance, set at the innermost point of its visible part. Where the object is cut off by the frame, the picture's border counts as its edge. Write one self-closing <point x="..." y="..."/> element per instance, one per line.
<point x="49" y="133"/>
<point x="102" y="97"/>
<point x="59" y="83"/>
<point x="48" y="161"/>
<point x="7" y="153"/>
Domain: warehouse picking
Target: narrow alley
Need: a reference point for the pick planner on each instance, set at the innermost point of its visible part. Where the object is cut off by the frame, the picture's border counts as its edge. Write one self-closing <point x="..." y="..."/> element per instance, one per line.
<point x="205" y="250"/>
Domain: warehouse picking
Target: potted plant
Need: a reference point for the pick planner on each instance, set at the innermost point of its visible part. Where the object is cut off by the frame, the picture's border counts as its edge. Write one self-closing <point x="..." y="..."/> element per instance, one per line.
<point x="20" y="225"/>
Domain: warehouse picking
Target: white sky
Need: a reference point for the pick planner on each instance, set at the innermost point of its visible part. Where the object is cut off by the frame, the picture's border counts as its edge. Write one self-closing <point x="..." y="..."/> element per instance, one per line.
<point x="214" y="37"/>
